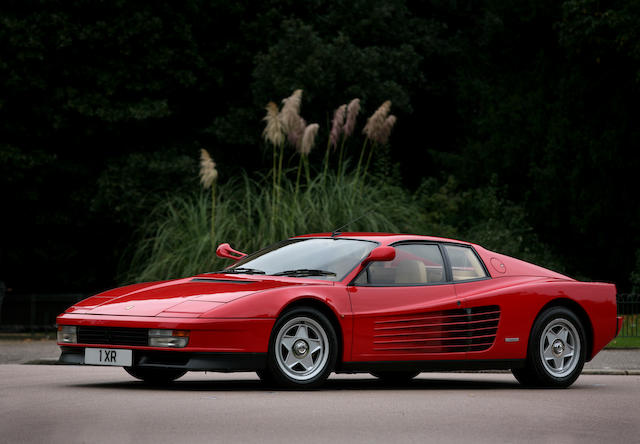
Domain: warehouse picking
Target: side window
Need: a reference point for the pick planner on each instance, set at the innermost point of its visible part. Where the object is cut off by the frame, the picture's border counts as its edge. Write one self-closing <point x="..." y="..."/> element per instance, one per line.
<point x="465" y="264"/>
<point x="415" y="264"/>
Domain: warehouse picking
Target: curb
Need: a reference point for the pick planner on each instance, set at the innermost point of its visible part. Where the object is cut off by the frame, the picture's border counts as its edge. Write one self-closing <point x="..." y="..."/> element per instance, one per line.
<point x="611" y="372"/>
<point x="591" y="371"/>
<point x="42" y="361"/>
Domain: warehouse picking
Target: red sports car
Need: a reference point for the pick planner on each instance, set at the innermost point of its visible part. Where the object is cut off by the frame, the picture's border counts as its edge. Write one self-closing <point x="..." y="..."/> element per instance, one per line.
<point x="389" y="304"/>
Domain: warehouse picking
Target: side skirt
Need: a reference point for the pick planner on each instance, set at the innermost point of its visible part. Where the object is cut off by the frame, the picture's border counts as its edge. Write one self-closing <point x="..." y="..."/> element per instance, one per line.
<point x="430" y="366"/>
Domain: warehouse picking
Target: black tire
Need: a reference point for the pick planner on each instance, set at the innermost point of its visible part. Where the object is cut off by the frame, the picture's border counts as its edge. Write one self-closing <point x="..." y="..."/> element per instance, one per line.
<point x="155" y="375"/>
<point x="396" y="377"/>
<point x="524" y="376"/>
<point x="556" y="352"/>
<point x="302" y="350"/>
<point x="265" y="376"/>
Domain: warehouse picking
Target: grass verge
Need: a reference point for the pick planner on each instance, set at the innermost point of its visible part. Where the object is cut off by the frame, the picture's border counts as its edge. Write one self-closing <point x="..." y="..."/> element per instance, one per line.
<point x="624" y="342"/>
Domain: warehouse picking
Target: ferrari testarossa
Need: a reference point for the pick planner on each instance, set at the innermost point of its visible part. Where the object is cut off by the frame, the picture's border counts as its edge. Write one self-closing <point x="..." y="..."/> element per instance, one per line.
<point x="388" y="304"/>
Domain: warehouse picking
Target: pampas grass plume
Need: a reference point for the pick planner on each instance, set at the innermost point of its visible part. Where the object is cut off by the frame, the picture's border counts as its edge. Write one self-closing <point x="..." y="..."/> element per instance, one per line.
<point x="208" y="172"/>
<point x="375" y="123"/>
<point x="274" y="130"/>
<point x="352" y="113"/>
<point x="385" y="129"/>
<point x="309" y="138"/>
<point x="337" y="125"/>
<point x="296" y="132"/>
<point x="291" y="110"/>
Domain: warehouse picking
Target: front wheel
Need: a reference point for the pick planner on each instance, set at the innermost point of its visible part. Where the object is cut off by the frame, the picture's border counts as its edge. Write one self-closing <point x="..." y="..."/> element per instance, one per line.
<point x="557" y="350"/>
<point x="153" y="375"/>
<point x="303" y="349"/>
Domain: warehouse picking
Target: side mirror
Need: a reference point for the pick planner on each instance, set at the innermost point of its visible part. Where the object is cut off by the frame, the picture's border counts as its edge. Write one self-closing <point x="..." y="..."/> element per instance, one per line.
<point x="380" y="254"/>
<point x="225" y="251"/>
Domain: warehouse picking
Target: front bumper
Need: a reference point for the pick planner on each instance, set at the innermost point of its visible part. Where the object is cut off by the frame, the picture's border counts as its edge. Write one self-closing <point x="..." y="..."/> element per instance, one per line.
<point x="192" y="361"/>
<point x="219" y="335"/>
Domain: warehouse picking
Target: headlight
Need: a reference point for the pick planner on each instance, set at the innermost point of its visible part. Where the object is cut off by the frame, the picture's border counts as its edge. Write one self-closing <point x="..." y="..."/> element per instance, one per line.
<point x="67" y="334"/>
<point x="168" y="338"/>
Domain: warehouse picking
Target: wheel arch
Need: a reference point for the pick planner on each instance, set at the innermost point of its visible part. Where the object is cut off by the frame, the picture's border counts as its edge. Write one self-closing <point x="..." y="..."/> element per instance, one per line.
<point x="326" y="310"/>
<point x="580" y="313"/>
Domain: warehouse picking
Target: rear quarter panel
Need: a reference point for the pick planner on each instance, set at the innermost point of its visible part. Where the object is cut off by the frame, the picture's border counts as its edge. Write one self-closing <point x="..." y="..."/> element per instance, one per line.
<point x="522" y="298"/>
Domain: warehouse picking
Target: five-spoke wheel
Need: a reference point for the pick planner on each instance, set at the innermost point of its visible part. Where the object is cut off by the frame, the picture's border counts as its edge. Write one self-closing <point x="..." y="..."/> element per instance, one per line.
<point x="302" y="350"/>
<point x="560" y="348"/>
<point x="557" y="350"/>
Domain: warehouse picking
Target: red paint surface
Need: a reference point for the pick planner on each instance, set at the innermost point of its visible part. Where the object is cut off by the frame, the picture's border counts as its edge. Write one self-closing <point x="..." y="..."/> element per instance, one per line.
<point x="237" y="312"/>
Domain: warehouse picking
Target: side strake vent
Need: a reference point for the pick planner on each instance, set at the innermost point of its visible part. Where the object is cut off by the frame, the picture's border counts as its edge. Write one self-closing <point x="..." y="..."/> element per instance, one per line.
<point x="447" y="331"/>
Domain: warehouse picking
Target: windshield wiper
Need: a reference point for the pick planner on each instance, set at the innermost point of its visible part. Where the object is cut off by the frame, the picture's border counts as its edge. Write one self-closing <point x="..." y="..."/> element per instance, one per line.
<point x="304" y="272"/>
<point x="240" y="270"/>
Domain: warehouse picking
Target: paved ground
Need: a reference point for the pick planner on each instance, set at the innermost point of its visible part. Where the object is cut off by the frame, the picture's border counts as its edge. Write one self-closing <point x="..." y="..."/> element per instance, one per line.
<point x="46" y="351"/>
<point x="615" y="361"/>
<point x="26" y="350"/>
<point x="70" y="404"/>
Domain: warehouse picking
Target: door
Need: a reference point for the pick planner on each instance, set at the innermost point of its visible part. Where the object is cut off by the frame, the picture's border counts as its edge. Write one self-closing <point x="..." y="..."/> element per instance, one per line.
<point x="406" y="309"/>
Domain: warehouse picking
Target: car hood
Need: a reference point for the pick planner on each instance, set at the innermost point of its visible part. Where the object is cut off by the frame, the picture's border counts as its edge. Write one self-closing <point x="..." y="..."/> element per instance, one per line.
<point x="179" y="298"/>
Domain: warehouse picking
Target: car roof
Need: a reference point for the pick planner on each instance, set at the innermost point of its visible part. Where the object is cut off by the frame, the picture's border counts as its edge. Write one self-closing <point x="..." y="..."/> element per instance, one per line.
<point x="383" y="238"/>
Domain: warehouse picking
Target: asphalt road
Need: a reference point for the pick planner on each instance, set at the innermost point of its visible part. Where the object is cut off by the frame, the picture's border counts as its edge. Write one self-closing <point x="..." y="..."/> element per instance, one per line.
<point x="46" y="351"/>
<point x="41" y="403"/>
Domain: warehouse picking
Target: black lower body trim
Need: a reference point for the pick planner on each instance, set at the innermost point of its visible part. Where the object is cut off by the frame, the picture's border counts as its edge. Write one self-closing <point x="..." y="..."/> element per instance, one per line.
<point x="430" y="366"/>
<point x="237" y="362"/>
<point x="214" y="362"/>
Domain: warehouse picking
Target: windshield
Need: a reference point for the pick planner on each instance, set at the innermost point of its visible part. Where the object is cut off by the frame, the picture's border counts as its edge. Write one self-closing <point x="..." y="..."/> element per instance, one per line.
<point x="328" y="259"/>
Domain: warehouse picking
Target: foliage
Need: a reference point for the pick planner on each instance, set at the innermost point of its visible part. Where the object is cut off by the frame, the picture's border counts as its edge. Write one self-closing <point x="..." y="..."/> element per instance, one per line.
<point x="346" y="67"/>
<point x="176" y="240"/>
<point x="103" y="103"/>
<point x="483" y="216"/>
<point x="553" y="118"/>
<point x="130" y="186"/>
<point x="635" y="274"/>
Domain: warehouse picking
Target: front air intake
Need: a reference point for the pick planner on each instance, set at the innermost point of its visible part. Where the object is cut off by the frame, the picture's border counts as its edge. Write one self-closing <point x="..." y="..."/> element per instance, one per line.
<point x="113" y="336"/>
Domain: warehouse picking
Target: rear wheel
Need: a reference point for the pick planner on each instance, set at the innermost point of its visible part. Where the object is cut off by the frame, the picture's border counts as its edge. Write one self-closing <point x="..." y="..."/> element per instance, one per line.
<point x="302" y="351"/>
<point x="556" y="352"/>
<point x="155" y="375"/>
<point x="396" y="377"/>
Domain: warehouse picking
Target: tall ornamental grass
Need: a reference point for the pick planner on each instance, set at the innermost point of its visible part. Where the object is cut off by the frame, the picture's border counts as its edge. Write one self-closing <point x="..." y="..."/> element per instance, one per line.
<point x="180" y="236"/>
<point x="177" y="237"/>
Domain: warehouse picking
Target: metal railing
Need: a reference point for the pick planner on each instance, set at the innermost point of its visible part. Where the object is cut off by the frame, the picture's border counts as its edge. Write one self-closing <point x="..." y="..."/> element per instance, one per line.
<point x="629" y="307"/>
<point x="33" y="312"/>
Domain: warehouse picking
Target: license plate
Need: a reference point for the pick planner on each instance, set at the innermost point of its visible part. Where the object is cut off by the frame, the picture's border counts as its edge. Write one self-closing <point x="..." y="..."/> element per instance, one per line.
<point x="108" y="356"/>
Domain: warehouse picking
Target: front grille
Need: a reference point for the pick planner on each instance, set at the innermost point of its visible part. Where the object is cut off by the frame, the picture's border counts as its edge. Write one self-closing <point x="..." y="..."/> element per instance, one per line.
<point x="458" y="330"/>
<point x="113" y="336"/>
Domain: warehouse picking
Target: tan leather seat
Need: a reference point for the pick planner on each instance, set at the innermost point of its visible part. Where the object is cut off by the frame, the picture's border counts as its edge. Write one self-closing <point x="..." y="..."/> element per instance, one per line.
<point x="411" y="272"/>
<point x="435" y="274"/>
<point x="380" y="274"/>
